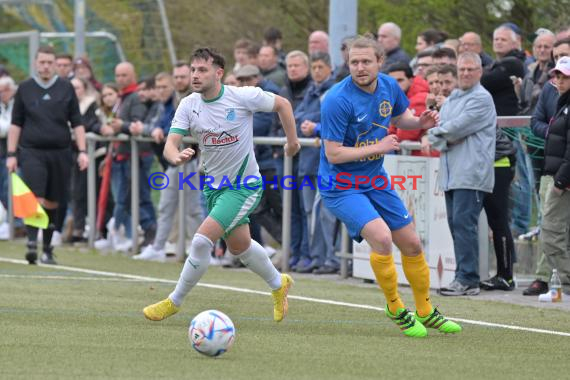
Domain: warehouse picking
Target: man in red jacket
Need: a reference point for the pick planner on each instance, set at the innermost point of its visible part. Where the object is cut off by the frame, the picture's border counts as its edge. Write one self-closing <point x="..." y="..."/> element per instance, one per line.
<point x="416" y="89"/>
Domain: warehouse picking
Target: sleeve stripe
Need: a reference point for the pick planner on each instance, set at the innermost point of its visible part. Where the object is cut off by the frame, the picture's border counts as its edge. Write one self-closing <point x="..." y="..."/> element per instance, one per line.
<point x="179" y="131"/>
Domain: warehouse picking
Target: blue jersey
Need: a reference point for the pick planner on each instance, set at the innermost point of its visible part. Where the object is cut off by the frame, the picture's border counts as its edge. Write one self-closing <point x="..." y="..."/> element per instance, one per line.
<point x="356" y="118"/>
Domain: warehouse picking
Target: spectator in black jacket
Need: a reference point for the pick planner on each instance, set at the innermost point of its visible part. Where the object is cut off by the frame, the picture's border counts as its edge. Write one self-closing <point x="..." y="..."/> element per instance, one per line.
<point x="556" y="216"/>
<point x="543" y="114"/>
<point x="497" y="80"/>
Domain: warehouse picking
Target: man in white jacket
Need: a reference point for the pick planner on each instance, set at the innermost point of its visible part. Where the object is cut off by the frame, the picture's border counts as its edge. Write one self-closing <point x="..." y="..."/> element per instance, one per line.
<point x="466" y="139"/>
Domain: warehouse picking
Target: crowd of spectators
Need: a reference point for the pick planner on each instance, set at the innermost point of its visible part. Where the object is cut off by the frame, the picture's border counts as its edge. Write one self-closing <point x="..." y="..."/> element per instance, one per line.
<point x="519" y="83"/>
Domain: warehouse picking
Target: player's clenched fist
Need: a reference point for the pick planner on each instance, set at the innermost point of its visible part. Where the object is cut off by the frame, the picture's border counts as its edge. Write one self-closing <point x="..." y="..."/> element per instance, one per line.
<point x="388" y="144"/>
<point x="184" y="156"/>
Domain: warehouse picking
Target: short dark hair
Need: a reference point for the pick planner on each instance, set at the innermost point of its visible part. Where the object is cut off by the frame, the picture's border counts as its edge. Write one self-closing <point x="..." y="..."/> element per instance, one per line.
<point x="45" y="49"/>
<point x="425" y="53"/>
<point x="401" y="66"/>
<point x="181" y="63"/>
<point x="148" y="82"/>
<point x="208" y="53"/>
<point x="321" y="56"/>
<point x="65" y="56"/>
<point x="562" y="42"/>
<point x="447" y="69"/>
<point x="272" y="34"/>
<point x="444" y="52"/>
<point x="433" y="36"/>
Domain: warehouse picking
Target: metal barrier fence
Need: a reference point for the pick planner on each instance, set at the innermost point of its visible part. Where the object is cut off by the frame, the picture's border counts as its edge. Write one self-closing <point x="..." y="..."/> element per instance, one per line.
<point x="92" y="139"/>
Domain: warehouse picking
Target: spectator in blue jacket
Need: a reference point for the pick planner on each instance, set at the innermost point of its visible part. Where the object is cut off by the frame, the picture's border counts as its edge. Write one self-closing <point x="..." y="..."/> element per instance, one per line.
<point x="307" y="117"/>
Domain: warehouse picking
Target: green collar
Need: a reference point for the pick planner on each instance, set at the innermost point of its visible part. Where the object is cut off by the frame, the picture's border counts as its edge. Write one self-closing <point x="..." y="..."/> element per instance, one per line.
<point x="220" y="94"/>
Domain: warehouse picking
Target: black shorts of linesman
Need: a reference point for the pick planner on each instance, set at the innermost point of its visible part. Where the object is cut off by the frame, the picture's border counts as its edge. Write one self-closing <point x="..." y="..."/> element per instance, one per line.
<point x="39" y="142"/>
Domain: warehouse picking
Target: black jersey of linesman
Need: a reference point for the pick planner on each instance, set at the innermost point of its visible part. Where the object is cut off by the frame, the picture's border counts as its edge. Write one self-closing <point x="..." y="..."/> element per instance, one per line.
<point x="43" y="112"/>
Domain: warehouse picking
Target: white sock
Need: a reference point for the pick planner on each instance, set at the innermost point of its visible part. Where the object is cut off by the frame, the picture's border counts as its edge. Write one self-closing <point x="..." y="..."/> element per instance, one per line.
<point x="255" y="258"/>
<point x="194" y="267"/>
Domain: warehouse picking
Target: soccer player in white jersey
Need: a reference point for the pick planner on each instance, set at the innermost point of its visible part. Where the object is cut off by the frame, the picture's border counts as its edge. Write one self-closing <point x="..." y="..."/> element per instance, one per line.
<point x="221" y="118"/>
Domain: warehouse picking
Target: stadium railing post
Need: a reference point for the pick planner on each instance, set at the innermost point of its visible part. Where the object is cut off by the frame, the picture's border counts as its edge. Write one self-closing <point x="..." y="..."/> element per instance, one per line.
<point x="181" y="242"/>
<point x="135" y="173"/>
<point x="287" y="201"/>
<point x="91" y="191"/>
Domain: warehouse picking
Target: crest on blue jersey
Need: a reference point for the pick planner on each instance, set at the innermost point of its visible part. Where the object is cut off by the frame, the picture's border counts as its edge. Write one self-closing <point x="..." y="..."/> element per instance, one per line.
<point x="385" y="108"/>
<point x="230" y="114"/>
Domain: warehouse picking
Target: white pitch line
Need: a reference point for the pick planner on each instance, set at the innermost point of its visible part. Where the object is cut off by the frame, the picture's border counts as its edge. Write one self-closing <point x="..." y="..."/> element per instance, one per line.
<point x="70" y="278"/>
<point x="300" y="298"/>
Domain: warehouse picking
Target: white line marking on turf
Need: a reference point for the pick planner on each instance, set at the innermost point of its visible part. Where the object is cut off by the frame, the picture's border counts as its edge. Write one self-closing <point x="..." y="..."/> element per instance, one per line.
<point x="74" y="278"/>
<point x="300" y="298"/>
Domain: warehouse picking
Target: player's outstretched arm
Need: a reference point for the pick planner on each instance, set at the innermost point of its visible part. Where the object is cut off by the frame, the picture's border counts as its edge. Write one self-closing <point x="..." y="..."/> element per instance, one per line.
<point x="338" y="154"/>
<point x="171" y="152"/>
<point x="428" y="119"/>
<point x="285" y="112"/>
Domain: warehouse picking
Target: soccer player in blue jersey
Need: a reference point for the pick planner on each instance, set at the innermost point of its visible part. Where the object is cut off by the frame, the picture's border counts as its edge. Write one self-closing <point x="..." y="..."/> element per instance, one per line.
<point x="355" y="117"/>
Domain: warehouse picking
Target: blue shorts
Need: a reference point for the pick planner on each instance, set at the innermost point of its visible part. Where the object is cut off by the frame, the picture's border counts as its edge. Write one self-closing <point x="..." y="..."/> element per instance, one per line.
<point x="355" y="210"/>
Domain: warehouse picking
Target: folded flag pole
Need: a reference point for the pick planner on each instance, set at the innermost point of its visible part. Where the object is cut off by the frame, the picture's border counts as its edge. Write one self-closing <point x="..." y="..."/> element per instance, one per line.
<point x="26" y="205"/>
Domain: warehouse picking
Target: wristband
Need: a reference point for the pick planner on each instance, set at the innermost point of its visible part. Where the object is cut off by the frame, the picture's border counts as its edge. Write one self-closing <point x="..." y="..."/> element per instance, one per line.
<point x="11" y="154"/>
<point x="82" y="151"/>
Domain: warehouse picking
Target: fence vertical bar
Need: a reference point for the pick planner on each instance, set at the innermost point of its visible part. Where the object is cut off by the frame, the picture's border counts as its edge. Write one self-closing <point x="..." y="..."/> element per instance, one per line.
<point x="287" y="202"/>
<point x="91" y="192"/>
<point x="344" y="250"/>
<point x="181" y="243"/>
<point x="135" y="173"/>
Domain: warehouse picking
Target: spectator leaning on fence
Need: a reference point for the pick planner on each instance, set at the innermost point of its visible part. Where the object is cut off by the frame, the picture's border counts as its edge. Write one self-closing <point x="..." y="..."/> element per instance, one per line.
<point x="466" y="140"/>
<point x="39" y="141"/>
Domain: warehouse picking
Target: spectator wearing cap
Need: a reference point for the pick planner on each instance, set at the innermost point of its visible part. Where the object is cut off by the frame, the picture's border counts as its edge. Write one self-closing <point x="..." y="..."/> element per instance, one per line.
<point x="269" y="65"/>
<point x="389" y="37"/>
<point x="541" y="118"/>
<point x="268" y="213"/>
<point x="82" y="69"/>
<point x="556" y="216"/>
<point x="308" y="117"/>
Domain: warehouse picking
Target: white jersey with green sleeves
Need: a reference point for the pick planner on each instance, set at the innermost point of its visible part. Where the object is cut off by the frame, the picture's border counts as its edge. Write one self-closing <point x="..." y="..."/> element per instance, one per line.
<point x="223" y="127"/>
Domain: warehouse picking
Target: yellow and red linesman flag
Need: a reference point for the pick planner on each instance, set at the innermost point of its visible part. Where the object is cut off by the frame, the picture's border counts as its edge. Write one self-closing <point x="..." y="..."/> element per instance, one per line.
<point x="26" y="205"/>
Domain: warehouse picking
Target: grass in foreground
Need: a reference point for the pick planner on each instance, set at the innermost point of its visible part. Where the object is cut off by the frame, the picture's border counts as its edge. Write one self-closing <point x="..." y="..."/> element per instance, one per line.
<point x="72" y="325"/>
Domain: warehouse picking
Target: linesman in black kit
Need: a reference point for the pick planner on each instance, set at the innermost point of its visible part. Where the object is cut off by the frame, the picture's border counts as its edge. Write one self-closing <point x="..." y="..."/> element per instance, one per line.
<point x="39" y="142"/>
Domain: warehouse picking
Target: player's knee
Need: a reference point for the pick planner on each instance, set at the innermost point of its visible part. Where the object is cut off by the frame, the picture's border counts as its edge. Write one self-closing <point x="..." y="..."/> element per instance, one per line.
<point x="382" y="243"/>
<point x="201" y="245"/>
<point x="413" y="247"/>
